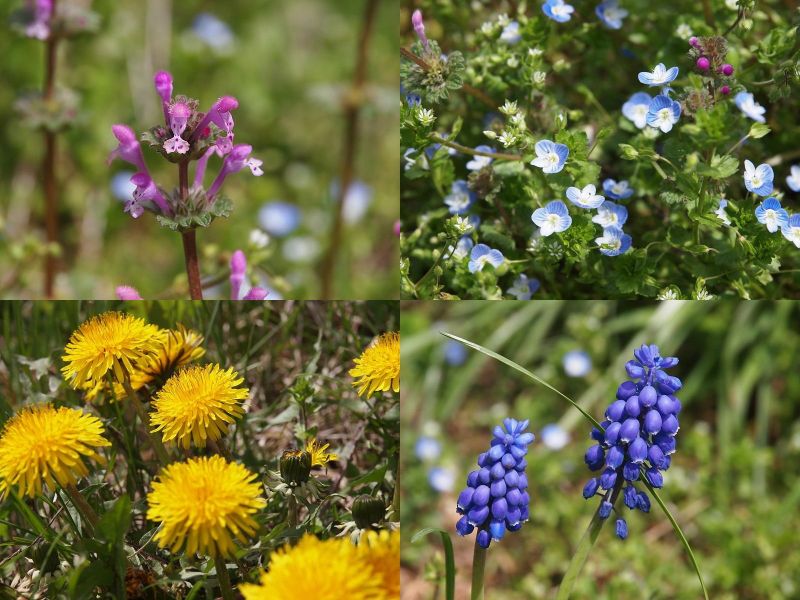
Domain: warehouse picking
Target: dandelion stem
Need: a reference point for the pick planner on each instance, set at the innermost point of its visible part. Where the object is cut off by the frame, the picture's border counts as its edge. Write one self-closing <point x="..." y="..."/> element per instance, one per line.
<point x="223" y="578"/>
<point x="352" y="110"/>
<point x="49" y="170"/>
<point x="478" y="569"/>
<point x="292" y="506"/>
<point x="83" y="506"/>
<point x="158" y="447"/>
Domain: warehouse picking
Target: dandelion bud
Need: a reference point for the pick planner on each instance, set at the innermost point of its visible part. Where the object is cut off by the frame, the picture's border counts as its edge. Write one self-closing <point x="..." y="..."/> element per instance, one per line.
<point x="368" y="511"/>
<point x="295" y="466"/>
<point x="703" y="63"/>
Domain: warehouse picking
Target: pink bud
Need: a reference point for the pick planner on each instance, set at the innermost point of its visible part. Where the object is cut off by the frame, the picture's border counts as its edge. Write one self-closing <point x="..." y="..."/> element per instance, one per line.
<point x="724" y="90"/>
<point x="126" y="292"/>
<point x="419" y="27"/>
<point x="238" y="270"/>
<point x="727" y="69"/>
<point x="163" y="83"/>
<point x="397" y="228"/>
<point x="124" y="134"/>
<point x="256" y="293"/>
<point x="693" y="41"/>
<point x="227" y="104"/>
<point x="703" y="63"/>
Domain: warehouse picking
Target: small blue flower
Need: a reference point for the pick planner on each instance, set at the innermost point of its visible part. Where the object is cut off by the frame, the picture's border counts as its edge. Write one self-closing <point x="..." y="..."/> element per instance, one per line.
<point x="427" y="448"/>
<point x="750" y="108"/>
<point x="441" y="479"/>
<point x="523" y="288"/>
<point x="553" y="218"/>
<point x="577" y="363"/>
<point x="770" y="213"/>
<point x="420" y="160"/>
<point x="122" y="187"/>
<point x="758" y="179"/>
<point x="793" y="180"/>
<point x="622" y="529"/>
<point x="613" y="242"/>
<point x="463" y="248"/>
<point x="496" y="498"/>
<point x="636" y="109"/>
<point x="550" y="156"/>
<point x="611" y="14"/>
<point x="413" y="100"/>
<point x="585" y="198"/>
<point x="610" y="215"/>
<point x="554" y="436"/>
<point x="660" y="75"/>
<point x="460" y="197"/>
<point x="617" y="190"/>
<point x="557" y="10"/>
<point x="455" y="353"/>
<point x="791" y="230"/>
<point x="481" y="255"/>
<point x="720" y="212"/>
<point x="478" y="162"/>
<point x="279" y="218"/>
<point x="511" y="34"/>
<point x="663" y="113"/>
<point x="356" y="200"/>
<point x="213" y="32"/>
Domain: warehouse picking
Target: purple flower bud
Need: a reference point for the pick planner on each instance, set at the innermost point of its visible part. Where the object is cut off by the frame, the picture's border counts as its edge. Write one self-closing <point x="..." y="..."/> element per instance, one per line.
<point x="652" y="421"/>
<point x="670" y="426"/>
<point x="498" y="488"/>
<point x="590" y="489"/>
<point x="146" y="191"/>
<point x="656" y="456"/>
<point x="163" y="83"/>
<point x="629" y="430"/>
<point x="625" y="390"/>
<point x="693" y="41"/>
<point x="727" y="70"/>
<point x="594" y="457"/>
<point x="514" y="497"/>
<point x="632" y="406"/>
<point x="499" y="508"/>
<point x="622" y="529"/>
<point x="465" y="498"/>
<point x="472" y="479"/>
<point x="643" y="502"/>
<point x="725" y="90"/>
<point x="630" y="471"/>
<point x="512" y="479"/>
<point x="665" y="405"/>
<point x="648" y="396"/>
<point x="703" y="63"/>
<point x="126" y="292"/>
<point x="463" y="527"/>
<point x="496" y="452"/>
<point x="508" y="461"/>
<point x="477" y="515"/>
<point x="514" y="515"/>
<point x="219" y="115"/>
<point x="605" y="509"/>
<point x="128" y="148"/>
<point x="256" y="293"/>
<point x="238" y="270"/>
<point x="484" y="476"/>
<point x="654" y="477"/>
<point x="483" y="539"/>
<point x="419" y="27"/>
<point x="665" y="442"/>
<point x="634" y="369"/>
<point x="616" y="410"/>
<point x="523" y="481"/>
<point x="497" y="471"/>
<point x="608" y="479"/>
<point x="497" y="529"/>
<point x="612" y="433"/>
<point x="481" y="496"/>
<point x="630" y="496"/>
<point x="615" y="457"/>
<point x="638" y="450"/>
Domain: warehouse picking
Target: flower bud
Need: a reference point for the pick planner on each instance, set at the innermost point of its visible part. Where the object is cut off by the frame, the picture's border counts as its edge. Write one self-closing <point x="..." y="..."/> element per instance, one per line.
<point x="126" y="292"/>
<point x="419" y="27"/>
<point x="295" y="466"/>
<point x="368" y="511"/>
<point x="727" y="69"/>
<point x="622" y="529"/>
<point x="703" y="63"/>
<point x="725" y="90"/>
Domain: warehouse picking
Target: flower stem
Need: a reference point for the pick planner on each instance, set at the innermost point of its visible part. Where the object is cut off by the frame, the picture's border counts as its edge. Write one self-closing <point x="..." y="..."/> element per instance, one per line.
<point x="83" y="506"/>
<point x="223" y="578"/>
<point x="353" y="103"/>
<point x="292" y="517"/>
<point x="189" y="238"/>
<point x="158" y="447"/>
<point x="49" y="170"/>
<point x="478" y="568"/>
<point x="467" y="150"/>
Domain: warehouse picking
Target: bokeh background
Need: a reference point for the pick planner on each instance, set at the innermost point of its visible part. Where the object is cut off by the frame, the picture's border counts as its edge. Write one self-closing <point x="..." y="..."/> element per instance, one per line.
<point x="734" y="484"/>
<point x="290" y="65"/>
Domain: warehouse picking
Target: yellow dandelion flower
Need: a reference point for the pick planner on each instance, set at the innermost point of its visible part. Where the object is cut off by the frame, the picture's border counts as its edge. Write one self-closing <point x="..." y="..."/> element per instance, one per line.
<point x="381" y="550"/>
<point x="324" y="570"/>
<point x="48" y="444"/>
<point x="319" y="458"/>
<point x="109" y="342"/>
<point x="378" y="367"/>
<point x="203" y="504"/>
<point x="198" y="403"/>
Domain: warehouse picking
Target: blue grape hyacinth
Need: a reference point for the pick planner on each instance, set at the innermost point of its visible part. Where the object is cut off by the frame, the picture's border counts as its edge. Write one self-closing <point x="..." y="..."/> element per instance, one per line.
<point x="638" y="435"/>
<point x="496" y="498"/>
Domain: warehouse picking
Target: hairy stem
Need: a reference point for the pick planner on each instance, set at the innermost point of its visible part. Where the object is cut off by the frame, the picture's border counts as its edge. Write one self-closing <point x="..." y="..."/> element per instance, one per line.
<point x="467" y="150"/>
<point x="478" y="569"/>
<point x="223" y="578"/>
<point x="189" y="238"/>
<point x="158" y="447"/>
<point x="49" y="171"/>
<point x="83" y="506"/>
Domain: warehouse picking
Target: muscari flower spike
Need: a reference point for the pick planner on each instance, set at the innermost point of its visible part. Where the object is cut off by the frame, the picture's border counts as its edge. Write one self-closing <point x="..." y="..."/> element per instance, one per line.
<point x="638" y="435"/>
<point x="496" y="498"/>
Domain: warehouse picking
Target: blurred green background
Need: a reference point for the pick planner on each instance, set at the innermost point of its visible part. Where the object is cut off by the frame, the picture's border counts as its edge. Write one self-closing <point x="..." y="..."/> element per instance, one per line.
<point x="288" y="63"/>
<point x="734" y="484"/>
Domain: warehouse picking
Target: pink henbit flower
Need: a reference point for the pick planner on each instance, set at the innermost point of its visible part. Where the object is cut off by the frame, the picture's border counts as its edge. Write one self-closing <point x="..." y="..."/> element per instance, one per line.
<point x="236" y="160"/>
<point x="146" y="191"/>
<point x="126" y="292"/>
<point x="179" y="115"/>
<point x="128" y="148"/>
<point x="219" y="115"/>
<point x="397" y="228"/>
<point x="42" y="11"/>
<point x="256" y="293"/>
<point x="163" y="83"/>
<point x="419" y="27"/>
<point x="238" y="271"/>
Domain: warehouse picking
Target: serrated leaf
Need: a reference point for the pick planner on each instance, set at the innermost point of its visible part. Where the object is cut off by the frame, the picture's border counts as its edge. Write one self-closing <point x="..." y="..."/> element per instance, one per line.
<point x="758" y="130"/>
<point x="720" y="167"/>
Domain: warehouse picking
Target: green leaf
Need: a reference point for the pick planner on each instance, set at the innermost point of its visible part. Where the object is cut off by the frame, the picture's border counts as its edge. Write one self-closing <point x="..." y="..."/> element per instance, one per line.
<point x="680" y="535"/>
<point x="758" y="130"/>
<point x="525" y="372"/>
<point x="449" y="559"/>
<point x="720" y="167"/>
<point x="374" y="476"/>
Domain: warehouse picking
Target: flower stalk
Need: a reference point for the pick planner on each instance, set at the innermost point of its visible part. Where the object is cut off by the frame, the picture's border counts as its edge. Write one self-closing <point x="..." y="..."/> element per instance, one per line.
<point x="49" y="169"/>
<point x="83" y="506"/>
<point x="223" y="578"/>
<point x="158" y="447"/>
<point x="478" y="569"/>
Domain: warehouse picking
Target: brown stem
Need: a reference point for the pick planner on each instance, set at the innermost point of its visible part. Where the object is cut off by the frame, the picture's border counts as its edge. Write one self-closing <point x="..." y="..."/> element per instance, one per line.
<point x="708" y="13"/>
<point x="49" y="171"/>
<point x="189" y="238"/>
<point x="467" y="150"/>
<point x="351" y="113"/>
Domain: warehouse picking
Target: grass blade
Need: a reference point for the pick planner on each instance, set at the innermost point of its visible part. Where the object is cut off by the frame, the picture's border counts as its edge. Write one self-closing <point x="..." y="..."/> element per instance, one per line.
<point x="524" y="371"/>
<point x="449" y="559"/>
<point x="581" y="554"/>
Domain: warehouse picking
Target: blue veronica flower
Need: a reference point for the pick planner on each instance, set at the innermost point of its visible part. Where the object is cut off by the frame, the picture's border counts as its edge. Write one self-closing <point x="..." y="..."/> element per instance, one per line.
<point x="511" y="34"/>
<point x="496" y="499"/>
<point x="455" y="353"/>
<point x="213" y="32"/>
<point x="122" y="187"/>
<point x="410" y="160"/>
<point x="638" y="435"/>
<point x="663" y="113"/>
<point x="611" y="14"/>
<point x="791" y="230"/>
<point x="636" y="109"/>
<point x="550" y="156"/>
<point x="751" y="109"/>
<point x="554" y="436"/>
<point x="523" y="288"/>
<point x="356" y="200"/>
<point x="614" y="241"/>
<point x="557" y="10"/>
<point x="553" y="218"/>
<point x="720" y="212"/>
<point x="758" y="179"/>
<point x="460" y="197"/>
<point x="441" y="479"/>
<point x="577" y="363"/>
<point x="463" y="248"/>
<point x="793" y="180"/>
<point x="476" y="163"/>
<point x="770" y="213"/>
<point x="481" y="255"/>
<point x="279" y="218"/>
<point x="427" y="448"/>
<point x="610" y="215"/>
<point x="585" y="198"/>
<point x="413" y="100"/>
<point x="660" y="75"/>
<point x="617" y="190"/>
<point x="474" y="220"/>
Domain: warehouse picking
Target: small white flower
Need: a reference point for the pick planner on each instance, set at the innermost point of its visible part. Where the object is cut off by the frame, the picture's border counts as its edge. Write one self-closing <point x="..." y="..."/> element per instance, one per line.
<point x="668" y="294"/>
<point x="702" y="294"/>
<point x="720" y="212"/>
<point x="425" y="116"/>
<point x="507" y="138"/>
<point x="518" y="120"/>
<point x="539" y="77"/>
<point x="683" y="31"/>
<point x="492" y="135"/>
<point x="509" y="108"/>
<point x="732" y="4"/>
<point x="535" y="52"/>
<point x="258" y="238"/>
<point x="513" y="62"/>
<point x="462" y="225"/>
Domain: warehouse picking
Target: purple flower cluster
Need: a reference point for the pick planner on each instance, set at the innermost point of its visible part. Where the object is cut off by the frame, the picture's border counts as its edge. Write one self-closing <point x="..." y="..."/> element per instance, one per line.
<point x="496" y="497"/>
<point x="638" y="435"/>
<point x="187" y="134"/>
